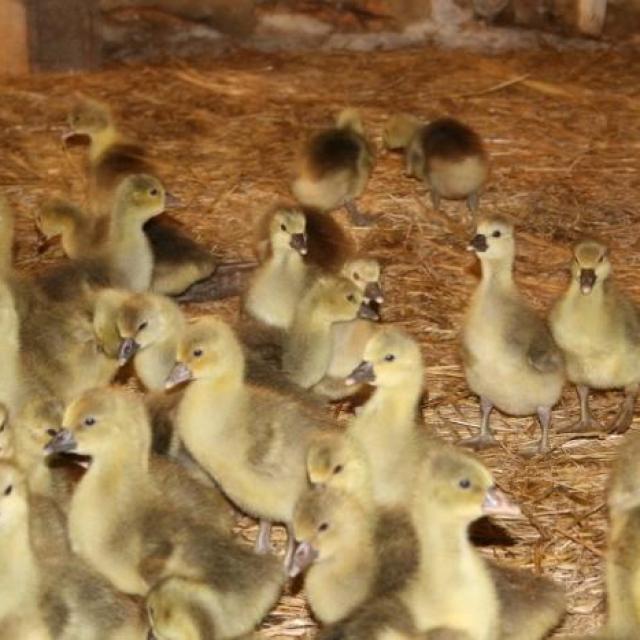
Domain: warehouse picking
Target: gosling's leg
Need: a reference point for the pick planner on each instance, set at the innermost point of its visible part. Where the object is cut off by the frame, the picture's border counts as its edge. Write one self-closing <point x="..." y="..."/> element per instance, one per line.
<point x="473" y="202"/>
<point x="624" y="418"/>
<point x="357" y="218"/>
<point x="291" y="546"/>
<point x="542" y="446"/>
<point x="435" y="199"/>
<point x="586" y="422"/>
<point x="263" y="541"/>
<point x="486" y="438"/>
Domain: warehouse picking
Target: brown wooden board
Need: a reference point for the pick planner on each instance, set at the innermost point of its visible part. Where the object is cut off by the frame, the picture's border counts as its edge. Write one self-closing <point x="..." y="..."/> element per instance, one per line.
<point x="14" y="51"/>
<point x="63" y="34"/>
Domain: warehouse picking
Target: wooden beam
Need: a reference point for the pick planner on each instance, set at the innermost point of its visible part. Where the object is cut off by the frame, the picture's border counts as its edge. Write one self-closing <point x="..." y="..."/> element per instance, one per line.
<point x="63" y="34"/>
<point x="14" y="47"/>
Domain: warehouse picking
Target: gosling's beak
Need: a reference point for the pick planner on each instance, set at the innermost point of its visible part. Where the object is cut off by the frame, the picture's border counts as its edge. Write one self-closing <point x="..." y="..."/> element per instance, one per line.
<point x="151" y="635"/>
<point x="179" y="374"/>
<point x="373" y="291"/>
<point x="362" y="373"/>
<point x="587" y="280"/>
<point x="62" y="442"/>
<point x="304" y="555"/>
<point x="299" y="243"/>
<point x="42" y="241"/>
<point x="478" y="243"/>
<point x="497" y="503"/>
<point x="171" y="201"/>
<point x="367" y="313"/>
<point x="128" y="348"/>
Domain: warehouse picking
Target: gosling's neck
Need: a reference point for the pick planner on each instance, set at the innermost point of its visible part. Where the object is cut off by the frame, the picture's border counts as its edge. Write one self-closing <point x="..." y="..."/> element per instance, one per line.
<point x="101" y="141"/>
<point x="396" y="404"/>
<point x="497" y="275"/>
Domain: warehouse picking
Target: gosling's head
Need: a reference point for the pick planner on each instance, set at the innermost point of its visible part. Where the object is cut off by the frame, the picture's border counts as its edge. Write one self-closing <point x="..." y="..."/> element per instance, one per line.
<point x="176" y="608"/>
<point x="13" y="497"/>
<point x="391" y="359"/>
<point x="337" y="299"/>
<point x="461" y="486"/>
<point x="336" y="460"/>
<point x="399" y="130"/>
<point x="624" y="482"/>
<point x="325" y="522"/>
<point x="365" y="274"/>
<point x="90" y="117"/>
<point x="494" y="240"/>
<point x="146" y="319"/>
<point x="208" y="350"/>
<point x="350" y="118"/>
<point x="141" y="196"/>
<point x="590" y="266"/>
<point x="101" y="423"/>
<point x="287" y="230"/>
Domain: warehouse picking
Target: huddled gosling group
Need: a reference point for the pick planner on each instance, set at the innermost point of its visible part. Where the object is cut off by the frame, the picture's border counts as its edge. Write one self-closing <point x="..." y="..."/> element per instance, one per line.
<point x="117" y="505"/>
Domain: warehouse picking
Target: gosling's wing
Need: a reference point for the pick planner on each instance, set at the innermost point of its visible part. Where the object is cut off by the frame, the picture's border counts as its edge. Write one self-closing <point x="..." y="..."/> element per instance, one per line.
<point x="528" y="332"/>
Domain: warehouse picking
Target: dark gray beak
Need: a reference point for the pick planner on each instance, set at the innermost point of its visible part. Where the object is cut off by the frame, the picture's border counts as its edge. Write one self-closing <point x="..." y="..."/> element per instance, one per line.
<point x="299" y="243"/>
<point x="587" y="280"/>
<point x="128" y="348"/>
<point x="478" y="243"/>
<point x="362" y="373"/>
<point x="179" y="374"/>
<point x="62" y="442"/>
<point x="151" y="635"/>
<point x="367" y="313"/>
<point x="373" y="291"/>
<point x="304" y="555"/>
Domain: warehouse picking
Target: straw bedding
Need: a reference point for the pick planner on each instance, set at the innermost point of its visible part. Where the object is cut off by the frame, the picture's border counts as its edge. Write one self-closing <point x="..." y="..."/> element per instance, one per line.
<point x="563" y="130"/>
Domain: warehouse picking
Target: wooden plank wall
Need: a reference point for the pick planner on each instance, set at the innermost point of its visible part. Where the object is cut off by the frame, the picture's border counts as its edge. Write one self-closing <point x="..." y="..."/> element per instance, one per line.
<point x="14" y="47"/>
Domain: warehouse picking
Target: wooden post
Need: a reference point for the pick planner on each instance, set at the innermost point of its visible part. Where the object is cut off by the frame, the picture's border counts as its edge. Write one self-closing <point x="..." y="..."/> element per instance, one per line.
<point x="14" y="47"/>
<point x="591" y="15"/>
<point x="63" y="34"/>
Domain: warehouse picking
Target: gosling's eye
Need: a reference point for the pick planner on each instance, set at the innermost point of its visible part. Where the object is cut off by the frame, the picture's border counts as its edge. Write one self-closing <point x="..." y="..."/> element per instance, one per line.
<point x="324" y="526"/>
<point x="465" y="483"/>
<point x="351" y="297"/>
<point x="283" y="227"/>
<point x="153" y="192"/>
<point x="496" y="234"/>
<point x="338" y="469"/>
<point x="389" y="357"/>
<point x="356" y="275"/>
<point x="2" y="426"/>
<point x="142" y="326"/>
<point x="8" y="490"/>
<point x="197" y="352"/>
<point x="89" y="421"/>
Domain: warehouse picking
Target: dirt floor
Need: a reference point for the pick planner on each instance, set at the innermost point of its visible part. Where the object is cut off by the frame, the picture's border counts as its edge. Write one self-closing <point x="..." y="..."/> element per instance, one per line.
<point x="563" y="129"/>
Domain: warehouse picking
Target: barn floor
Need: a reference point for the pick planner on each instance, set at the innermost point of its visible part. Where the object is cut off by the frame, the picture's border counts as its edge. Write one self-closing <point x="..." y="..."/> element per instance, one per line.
<point x="563" y="129"/>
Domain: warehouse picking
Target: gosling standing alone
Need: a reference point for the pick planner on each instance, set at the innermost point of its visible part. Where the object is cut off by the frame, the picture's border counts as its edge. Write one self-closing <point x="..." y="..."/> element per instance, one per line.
<point x="335" y="168"/>
<point x="598" y="328"/>
<point x="446" y="154"/>
<point x="510" y="358"/>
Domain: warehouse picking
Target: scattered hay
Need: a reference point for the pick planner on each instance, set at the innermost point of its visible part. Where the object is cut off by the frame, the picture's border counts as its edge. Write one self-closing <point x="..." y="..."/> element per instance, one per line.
<point x="563" y="130"/>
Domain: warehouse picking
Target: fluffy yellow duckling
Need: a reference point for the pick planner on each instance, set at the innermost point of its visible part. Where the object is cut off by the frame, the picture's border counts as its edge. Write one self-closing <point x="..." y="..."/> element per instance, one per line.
<point x="453" y="587"/>
<point x="598" y="329"/>
<point x="335" y="168"/>
<point x="510" y="358"/>
<point x="260" y="435"/>
<point x="386" y="426"/>
<point x="144" y="327"/>
<point x="279" y="281"/>
<point x="447" y="155"/>
<point x="308" y="345"/>
<point x="159" y="535"/>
